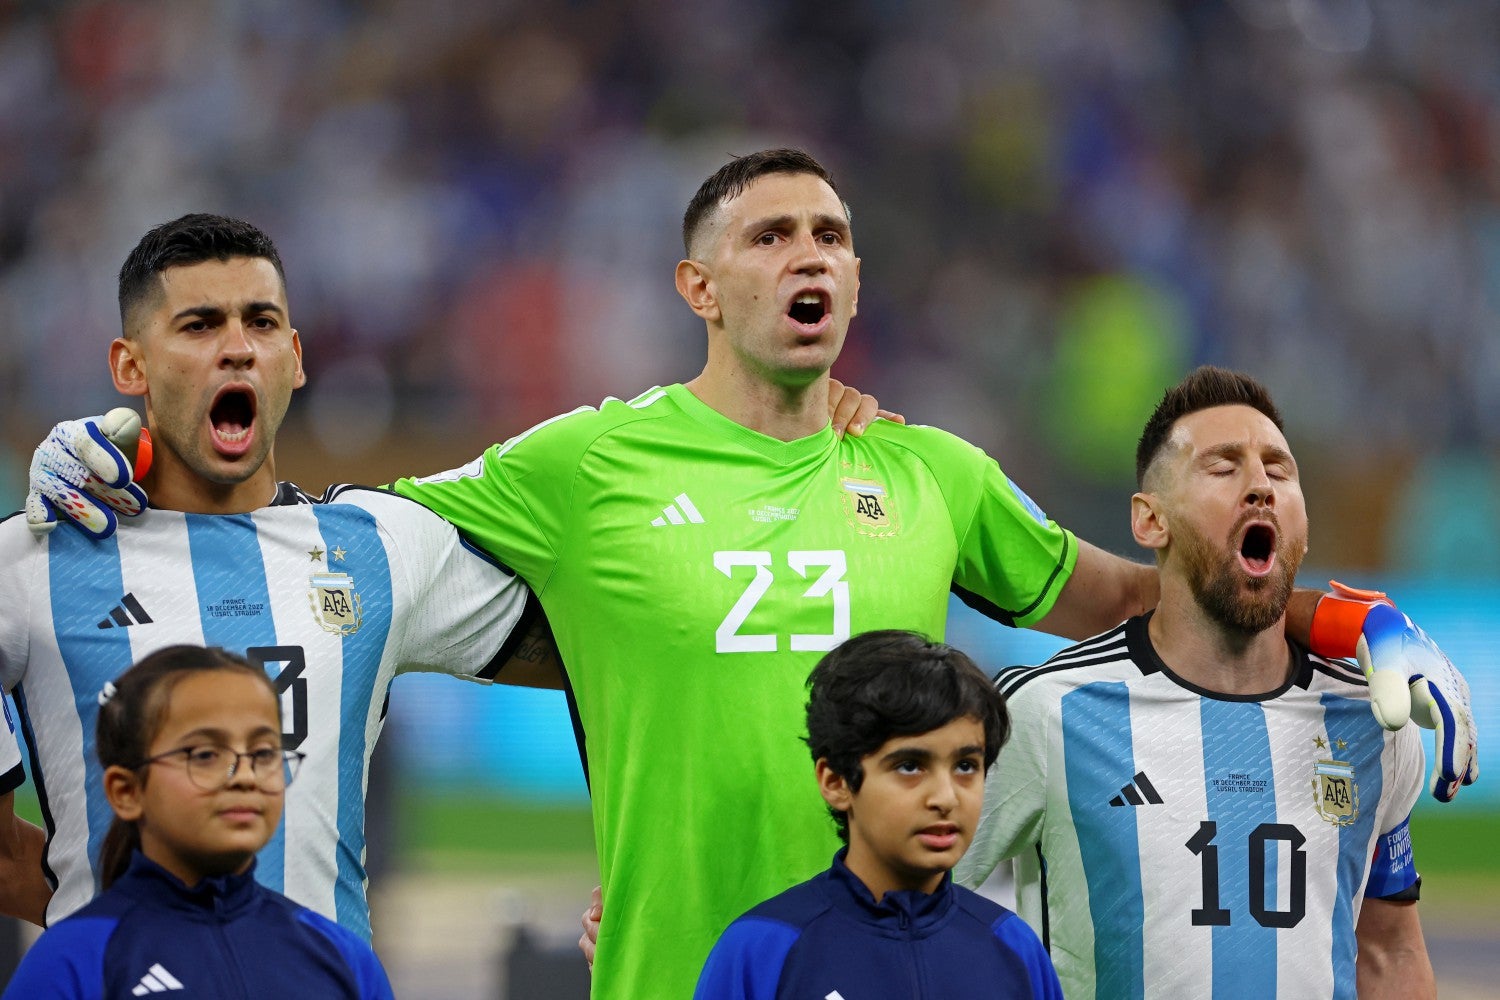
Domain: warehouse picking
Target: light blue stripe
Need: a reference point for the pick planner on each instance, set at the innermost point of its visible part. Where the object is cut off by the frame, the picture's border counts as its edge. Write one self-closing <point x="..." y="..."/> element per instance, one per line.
<point x="234" y="609"/>
<point x="1098" y="761"/>
<point x="1350" y="720"/>
<point x="1236" y="760"/>
<point x="353" y="531"/>
<point x="86" y="581"/>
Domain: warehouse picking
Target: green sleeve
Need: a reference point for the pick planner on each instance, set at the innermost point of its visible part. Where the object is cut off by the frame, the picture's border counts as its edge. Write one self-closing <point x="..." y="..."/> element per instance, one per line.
<point x="514" y="502"/>
<point x="1012" y="559"/>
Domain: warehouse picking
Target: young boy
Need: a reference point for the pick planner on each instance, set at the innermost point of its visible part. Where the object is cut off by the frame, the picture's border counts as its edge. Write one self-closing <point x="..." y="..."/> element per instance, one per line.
<point x="902" y="731"/>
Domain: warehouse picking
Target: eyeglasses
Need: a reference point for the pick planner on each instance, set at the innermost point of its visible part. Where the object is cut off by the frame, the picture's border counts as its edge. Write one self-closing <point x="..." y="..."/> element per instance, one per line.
<point x="212" y="767"/>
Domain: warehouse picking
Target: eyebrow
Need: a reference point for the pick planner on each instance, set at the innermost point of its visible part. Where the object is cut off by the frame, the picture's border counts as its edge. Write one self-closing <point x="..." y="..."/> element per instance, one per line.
<point x="923" y="756"/>
<point x="220" y="736"/>
<point x="1232" y="449"/>
<point x="214" y="312"/>
<point x="820" y="221"/>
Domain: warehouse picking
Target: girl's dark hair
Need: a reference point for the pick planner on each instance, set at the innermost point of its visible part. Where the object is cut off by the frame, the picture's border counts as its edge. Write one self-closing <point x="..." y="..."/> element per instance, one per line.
<point x="131" y="712"/>
<point x="889" y="683"/>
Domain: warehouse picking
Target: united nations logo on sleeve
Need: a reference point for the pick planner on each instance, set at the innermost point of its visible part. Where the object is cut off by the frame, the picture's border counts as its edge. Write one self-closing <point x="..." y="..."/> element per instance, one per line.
<point x="335" y="603"/>
<point x="1335" y="795"/>
<point x="868" y="506"/>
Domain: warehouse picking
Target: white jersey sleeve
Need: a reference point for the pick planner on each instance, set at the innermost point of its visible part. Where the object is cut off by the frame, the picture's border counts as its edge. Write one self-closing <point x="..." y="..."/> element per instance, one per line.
<point x="465" y="613"/>
<point x="1015" y="790"/>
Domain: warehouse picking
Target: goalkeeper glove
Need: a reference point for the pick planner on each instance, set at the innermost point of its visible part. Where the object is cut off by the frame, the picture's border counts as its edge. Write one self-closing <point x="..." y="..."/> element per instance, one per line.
<point x="81" y="472"/>
<point x="1410" y="678"/>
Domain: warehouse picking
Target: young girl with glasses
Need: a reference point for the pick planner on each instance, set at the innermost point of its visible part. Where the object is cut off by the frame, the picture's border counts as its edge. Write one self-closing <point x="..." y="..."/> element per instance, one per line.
<point x="190" y="742"/>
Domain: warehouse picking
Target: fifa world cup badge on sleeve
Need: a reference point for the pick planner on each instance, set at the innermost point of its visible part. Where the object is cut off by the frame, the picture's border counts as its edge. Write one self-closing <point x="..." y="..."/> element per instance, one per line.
<point x="1335" y="794"/>
<point x="335" y="603"/>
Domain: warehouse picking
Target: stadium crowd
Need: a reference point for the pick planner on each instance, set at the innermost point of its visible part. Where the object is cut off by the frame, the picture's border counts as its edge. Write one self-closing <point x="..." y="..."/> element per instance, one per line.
<point x="1066" y="205"/>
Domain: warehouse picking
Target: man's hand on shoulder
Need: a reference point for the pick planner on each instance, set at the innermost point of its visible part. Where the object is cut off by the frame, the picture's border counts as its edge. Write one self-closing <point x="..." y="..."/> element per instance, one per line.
<point x="82" y="473"/>
<point x="1410" y="678"/>
<point x="852" y="411"/>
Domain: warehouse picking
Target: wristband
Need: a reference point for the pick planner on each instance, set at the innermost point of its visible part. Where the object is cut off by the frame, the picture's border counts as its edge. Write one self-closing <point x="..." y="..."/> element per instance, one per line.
<point x="1339" y="617"/>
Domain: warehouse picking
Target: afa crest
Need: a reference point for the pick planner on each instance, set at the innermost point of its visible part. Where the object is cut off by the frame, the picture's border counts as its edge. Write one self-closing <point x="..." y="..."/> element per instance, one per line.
<point x="335" y="603"/>
<point x="869" y="507"/>
<point x="1335" y="794"/>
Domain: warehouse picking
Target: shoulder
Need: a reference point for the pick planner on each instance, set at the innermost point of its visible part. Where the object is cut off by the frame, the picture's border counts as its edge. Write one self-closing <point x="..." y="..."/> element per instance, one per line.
<point x="385" y="506"/>
<point x="66" y="961"/>
<point x="581" y="427"/>
<point x="924" y="442"/>
<point x="346" y="941"/>
<point x="1338" y="676"/>
<point x="1106" y="656"/>
<point x="796" y="907"/>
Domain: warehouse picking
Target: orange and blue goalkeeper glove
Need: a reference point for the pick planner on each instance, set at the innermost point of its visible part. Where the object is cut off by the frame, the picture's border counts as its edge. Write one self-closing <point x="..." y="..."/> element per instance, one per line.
<point x="1410" y="678"/>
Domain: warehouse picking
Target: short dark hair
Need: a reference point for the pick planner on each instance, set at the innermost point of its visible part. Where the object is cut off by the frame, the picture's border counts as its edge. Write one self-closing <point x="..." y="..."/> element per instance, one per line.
<point x="131" y="711"/>
<point x="880" y="685"/>
<point x="1204" y="388"/>
<point x="733" y="177"/>
<point x="191" y="239"/>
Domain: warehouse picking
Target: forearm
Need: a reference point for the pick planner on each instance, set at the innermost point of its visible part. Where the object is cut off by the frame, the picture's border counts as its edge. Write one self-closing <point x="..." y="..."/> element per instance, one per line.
<point x="1393" y="963"/>
<point x="24" y="891"/>
<point x="1103" y="591"/>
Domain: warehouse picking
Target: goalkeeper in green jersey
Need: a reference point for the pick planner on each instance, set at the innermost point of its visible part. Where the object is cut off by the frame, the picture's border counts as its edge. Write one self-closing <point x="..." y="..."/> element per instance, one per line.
<point x="699" y="547"/>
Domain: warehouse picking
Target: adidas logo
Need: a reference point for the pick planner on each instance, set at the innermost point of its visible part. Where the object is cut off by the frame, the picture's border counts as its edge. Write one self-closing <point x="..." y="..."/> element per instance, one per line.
<point x="679" y="511"/>
<point x="1139" y="792"/>
<point x="156" y="980"/>
<point x="125" y="614"/>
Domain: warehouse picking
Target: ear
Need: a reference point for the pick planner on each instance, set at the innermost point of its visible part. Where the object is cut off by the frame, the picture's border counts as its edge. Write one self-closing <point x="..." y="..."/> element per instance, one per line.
<point x="124" y="789"/>
<point x="834" y="787"/>
<point x="854" y="306"/>
<point x="696" y="286"/>
<point x="127" y="366"/>
<point x="1148" y="521"/>
<point x="300" y="379"/>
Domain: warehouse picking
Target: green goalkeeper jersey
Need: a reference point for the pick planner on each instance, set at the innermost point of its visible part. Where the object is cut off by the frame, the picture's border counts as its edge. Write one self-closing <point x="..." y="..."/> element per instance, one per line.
<point x="694" y="572"/>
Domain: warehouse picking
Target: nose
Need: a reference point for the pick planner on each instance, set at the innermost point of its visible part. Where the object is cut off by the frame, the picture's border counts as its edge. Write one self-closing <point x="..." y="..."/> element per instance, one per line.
<point x="807" y="256"/>
<point x="942" y="796"/>
<point x="1260" y="493"/>
<point x="243" y="774"/>
<point x="236" y="350"/>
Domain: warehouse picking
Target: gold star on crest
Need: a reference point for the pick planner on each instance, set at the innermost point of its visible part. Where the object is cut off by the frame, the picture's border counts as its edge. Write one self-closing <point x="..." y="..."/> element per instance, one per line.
<point x="339" y="553"/>
<point x="1341" y="744"/>
<point x="1320" y="743"/>
<point x="315" y="553"/>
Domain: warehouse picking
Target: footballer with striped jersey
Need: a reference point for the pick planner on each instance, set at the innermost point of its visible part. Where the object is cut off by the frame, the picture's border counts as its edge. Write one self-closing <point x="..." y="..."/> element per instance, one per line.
<point x="333" y="599"/>
<point x="1197" y="805"/>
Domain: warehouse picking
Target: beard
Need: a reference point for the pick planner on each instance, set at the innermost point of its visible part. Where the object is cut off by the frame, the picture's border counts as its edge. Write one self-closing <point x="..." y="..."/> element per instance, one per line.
<point x="1219" y="585"/>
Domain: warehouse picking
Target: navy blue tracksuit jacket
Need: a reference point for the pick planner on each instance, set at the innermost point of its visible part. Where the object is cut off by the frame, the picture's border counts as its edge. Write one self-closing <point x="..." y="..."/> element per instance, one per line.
<point x="227" y="937"/>
<point x="829" y="938"/>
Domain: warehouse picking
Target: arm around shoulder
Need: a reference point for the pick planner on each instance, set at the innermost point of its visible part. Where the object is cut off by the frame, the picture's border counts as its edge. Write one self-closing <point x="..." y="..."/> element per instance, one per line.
<point x="1103" y="591"/>
<point x="1393" y="963"/>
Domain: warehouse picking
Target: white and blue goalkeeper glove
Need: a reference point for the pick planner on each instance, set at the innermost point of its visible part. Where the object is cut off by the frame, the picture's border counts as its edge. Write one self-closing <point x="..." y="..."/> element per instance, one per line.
<point x="81" y="472"/>
<point x="1410" y="678"/>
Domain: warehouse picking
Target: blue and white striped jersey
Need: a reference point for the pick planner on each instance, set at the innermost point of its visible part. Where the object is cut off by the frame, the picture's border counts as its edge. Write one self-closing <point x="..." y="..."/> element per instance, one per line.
<point x="334" y="598"/>
<point x="1169" y="841"/>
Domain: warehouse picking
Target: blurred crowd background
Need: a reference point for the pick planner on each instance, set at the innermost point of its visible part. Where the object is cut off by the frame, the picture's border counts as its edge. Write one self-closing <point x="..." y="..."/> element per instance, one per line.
<point x="1060" y="204"/>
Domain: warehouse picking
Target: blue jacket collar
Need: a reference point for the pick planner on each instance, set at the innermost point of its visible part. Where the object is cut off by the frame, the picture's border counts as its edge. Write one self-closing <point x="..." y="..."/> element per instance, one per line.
<point x="902" y="910"/>
<point x="221" y="894"/>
